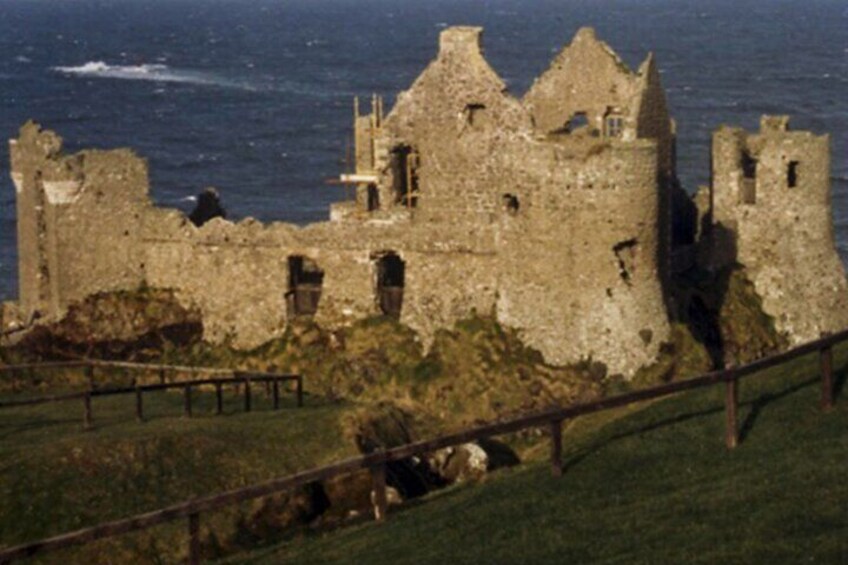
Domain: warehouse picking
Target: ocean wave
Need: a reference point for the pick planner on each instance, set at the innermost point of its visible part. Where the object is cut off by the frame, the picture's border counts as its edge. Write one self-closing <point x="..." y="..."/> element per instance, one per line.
<point x="154" y="72"/>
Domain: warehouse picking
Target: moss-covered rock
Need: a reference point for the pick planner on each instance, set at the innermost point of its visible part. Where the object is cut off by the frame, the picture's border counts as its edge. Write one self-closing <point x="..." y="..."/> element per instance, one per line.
<point x="481" y="371"/>
<point x="114" y="325"/>
<point x="725" y="313"/>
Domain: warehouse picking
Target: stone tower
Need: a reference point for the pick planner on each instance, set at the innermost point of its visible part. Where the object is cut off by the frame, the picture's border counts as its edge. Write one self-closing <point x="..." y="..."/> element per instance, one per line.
<point x="770" y="211"/>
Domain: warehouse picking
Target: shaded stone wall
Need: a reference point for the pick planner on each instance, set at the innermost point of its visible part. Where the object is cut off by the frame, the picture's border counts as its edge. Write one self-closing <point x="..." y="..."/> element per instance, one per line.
<point x="782" y="234"/>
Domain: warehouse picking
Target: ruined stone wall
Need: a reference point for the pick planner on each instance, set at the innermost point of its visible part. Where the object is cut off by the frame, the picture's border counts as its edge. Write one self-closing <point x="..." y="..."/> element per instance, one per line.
<point x="556" y="236"/>
<point x="237" y="274"/>
<point x="79" y="218"/>
<point x="564" y="237"/>
<point x="782" y="234"/>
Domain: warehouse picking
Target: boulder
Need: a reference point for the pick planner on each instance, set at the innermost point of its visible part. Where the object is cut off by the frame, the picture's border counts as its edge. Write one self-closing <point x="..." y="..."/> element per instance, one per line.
<point x="471" y="461"/>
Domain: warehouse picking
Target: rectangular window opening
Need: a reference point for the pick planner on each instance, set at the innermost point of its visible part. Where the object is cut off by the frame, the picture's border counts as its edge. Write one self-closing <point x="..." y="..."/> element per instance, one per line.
<point x="792" y="174"/>
<point x="306" y="280"/>
<point x="615" y="126"/>
<point x="749" y="165"/>
<point x="405" y="165"/>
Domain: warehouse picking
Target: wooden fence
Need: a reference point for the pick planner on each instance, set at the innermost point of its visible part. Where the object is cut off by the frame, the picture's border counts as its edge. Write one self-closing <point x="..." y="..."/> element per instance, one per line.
<point x="551" y="419"/>
<point x="237" y="378"/>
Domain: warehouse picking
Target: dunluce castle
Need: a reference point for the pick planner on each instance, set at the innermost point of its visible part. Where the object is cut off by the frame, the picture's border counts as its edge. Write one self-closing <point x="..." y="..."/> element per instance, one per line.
<point x="560" y="213"/>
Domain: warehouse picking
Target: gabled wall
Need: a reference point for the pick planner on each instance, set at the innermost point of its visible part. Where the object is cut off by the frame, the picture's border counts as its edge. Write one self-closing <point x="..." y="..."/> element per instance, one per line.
<point x="586" y="76"/>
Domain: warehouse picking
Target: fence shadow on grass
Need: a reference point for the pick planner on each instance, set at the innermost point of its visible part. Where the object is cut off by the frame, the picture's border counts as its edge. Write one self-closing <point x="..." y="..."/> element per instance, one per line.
<point x="756" y="407"/>
<point x="841" y="377"/>
<point x="764" y="400"/>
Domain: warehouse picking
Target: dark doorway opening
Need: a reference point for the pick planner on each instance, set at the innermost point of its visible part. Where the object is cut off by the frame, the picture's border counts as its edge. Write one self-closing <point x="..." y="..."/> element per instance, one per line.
<point x="305" y="282"/>
<point x="391" y="271"/>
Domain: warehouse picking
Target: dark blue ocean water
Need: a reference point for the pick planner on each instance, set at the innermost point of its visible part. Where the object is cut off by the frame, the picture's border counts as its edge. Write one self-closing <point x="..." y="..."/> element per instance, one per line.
<point x="254" y="96"/>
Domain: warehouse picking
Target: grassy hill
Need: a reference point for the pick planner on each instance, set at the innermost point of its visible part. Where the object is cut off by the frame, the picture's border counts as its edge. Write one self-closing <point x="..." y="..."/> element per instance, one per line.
<point x="653" y="486"/>
<point x="55" y="477"/>
<point x="649" y="484"/>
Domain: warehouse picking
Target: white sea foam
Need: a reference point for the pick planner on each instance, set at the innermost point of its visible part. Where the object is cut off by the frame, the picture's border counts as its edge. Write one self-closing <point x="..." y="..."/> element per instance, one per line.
<point x="154" y="72"/>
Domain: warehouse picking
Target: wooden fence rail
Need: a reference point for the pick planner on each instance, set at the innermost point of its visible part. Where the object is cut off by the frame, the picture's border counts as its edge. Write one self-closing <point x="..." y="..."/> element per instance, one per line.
<point x="376" y="462"/>
<point x="238" y="378"/>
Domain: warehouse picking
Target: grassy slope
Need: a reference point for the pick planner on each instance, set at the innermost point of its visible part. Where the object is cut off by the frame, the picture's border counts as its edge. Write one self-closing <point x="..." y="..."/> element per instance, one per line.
<point x="54" y="477"/>
<point x="656" y="486"/>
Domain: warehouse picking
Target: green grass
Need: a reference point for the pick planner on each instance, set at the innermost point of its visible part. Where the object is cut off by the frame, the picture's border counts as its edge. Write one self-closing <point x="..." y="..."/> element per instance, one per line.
<point x="653" y="486"/>
<point x="55" y="477"/>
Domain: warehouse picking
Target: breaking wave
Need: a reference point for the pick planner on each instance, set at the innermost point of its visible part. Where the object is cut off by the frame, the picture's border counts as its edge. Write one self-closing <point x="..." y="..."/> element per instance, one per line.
<point x="155" y="72"/>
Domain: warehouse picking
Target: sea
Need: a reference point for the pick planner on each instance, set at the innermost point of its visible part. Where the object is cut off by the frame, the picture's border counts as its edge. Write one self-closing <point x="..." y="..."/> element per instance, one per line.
<point x="255" y="97"/>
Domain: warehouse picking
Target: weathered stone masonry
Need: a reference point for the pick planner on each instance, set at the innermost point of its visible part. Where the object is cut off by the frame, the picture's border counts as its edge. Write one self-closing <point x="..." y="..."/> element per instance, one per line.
<point x="551" y="212"/>
<point x="770" y="211"/>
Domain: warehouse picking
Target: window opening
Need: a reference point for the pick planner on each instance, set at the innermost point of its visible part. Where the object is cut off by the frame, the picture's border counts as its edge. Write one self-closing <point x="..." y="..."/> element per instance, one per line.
<point x="625" y="254"/>
<point x="510" y="204"/>
<point x="577" y="121"/>
<point x="391" y="272"/>
<point x="614" y="125"/>
<point x="749" y="166"/>
<point x="305" y="283"/>
<point x="749" y="182"/>
<point x="475" y="114"/>
<point x="792" y="174"/>
<point x="405" y="167"/>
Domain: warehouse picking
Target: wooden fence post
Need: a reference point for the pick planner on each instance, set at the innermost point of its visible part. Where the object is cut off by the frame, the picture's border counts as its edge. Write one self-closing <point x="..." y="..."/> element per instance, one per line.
<point x="247" y="394"/>
<point x="89" y="376"/>
<point x="139" y="405"/>
<point x="194" y="538"/>
<point x="826" y="361"/>
<point x="219" y="400"/>
<point x="276" y="385"/>
<point x="378" y="492"/>
<point x="556" y="448"/>
<point x="86" y="417"/>
<point x="300" y="391"/>
<point x="187" y="395"/>
<point x="731" y="399"/>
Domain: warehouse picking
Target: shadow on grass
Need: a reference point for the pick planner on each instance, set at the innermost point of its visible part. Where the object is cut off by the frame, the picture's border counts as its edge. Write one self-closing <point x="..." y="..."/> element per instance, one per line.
<point x="840" y="377"/>
<point x="583" y="454"/>
<point x="30" y="425"/>
<point x="756" y="407"/>
<point x="764" y="400"/>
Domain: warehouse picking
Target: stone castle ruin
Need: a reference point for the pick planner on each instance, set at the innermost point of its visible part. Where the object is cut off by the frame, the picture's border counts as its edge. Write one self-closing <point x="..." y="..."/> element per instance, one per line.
<point x="553" y="212"/>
